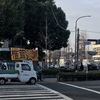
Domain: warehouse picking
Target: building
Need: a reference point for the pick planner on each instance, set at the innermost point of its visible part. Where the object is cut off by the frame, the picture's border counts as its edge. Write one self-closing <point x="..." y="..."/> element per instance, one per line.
<point x="96" y="48"/>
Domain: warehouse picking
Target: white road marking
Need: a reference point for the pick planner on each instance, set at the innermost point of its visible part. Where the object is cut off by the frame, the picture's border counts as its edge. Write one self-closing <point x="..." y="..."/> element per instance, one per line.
<point x="28" y="98"/>
<point x="30" y="92"/>
<point x="94" y="91"/>
<point x="65" y="97"/>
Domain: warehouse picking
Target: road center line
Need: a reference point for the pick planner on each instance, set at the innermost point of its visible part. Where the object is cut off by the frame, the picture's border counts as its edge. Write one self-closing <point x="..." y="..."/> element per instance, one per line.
<point x="94" y="91"/>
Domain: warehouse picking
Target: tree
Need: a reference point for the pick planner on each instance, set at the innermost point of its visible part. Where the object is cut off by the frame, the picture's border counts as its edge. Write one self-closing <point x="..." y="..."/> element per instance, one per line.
<point x="36" y="15"/>
<point x="25" y="20"/>
<point x="11" y="18"/>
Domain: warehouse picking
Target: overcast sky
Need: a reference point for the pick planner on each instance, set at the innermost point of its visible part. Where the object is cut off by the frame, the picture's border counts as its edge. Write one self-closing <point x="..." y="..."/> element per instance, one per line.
<point x="77" y="8"/>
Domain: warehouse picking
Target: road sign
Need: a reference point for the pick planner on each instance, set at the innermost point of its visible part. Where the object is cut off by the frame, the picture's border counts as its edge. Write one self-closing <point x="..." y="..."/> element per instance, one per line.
<point x="92" y="53"/>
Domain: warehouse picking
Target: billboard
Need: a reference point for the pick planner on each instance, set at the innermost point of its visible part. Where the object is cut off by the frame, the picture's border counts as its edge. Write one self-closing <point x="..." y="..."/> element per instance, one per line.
<point x="32" y="54"/>
<point x="24" y="54"/>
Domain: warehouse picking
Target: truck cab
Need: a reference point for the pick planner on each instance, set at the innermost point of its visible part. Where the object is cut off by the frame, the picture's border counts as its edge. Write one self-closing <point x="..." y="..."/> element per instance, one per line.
<point x="26" y="72"/>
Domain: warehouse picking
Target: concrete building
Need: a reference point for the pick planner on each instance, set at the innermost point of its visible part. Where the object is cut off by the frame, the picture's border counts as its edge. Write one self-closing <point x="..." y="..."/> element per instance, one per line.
<point x="96" y="47"/>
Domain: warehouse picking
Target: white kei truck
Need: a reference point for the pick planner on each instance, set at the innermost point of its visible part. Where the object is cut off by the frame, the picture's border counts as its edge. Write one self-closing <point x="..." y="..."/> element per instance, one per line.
<point x="23" y="72"/>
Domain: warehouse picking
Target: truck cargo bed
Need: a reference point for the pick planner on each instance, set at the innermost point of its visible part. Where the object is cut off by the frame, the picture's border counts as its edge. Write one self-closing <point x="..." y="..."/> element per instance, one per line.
<point x="9" y="71"/>
<point x="11" y="76"/>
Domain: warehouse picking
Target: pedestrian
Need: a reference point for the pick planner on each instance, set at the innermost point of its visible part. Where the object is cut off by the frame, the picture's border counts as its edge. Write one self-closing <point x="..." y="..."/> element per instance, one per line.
<point x="81" y="67"/>
<point x="39" y="72"/>
<point x="76" y="68"/>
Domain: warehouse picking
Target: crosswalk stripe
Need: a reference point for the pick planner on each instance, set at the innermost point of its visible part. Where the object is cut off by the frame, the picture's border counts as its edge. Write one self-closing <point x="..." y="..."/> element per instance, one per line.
<point x="28" y="95"/>
<point x="36" y="92"/>
<point x="26" y="98"/>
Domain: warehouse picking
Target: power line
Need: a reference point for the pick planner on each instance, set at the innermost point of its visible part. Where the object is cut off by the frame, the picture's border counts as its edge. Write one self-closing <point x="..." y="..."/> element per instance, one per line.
<point x="90" y="31"/>
<point x="87" y="31"/>
<point x="56" y="18"/>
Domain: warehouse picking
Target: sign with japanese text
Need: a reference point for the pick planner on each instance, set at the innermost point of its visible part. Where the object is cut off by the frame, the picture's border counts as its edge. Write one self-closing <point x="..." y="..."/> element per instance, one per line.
<point x="24" y="54"/>
<point x="32" y="54"/>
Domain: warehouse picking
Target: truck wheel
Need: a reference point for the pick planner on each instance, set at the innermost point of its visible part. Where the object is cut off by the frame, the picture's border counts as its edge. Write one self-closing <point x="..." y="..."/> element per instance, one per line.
<point x="32" y="81"/>
<point x="2" y="81"/>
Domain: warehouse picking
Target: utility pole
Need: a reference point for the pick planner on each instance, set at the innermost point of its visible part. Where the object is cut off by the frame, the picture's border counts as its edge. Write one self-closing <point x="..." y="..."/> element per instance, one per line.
<point x="46" y="41"/>
<point x="78" y="35"/>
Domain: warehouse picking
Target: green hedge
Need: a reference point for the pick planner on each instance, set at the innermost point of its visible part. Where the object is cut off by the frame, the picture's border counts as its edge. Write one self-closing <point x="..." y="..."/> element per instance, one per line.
<point x="79" y="76"/>
<point x="52" y="71"/>
<point x="69" y="75"/>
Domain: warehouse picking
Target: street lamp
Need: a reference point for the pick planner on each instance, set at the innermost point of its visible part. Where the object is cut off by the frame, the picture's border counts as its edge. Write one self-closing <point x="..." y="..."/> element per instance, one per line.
<point x="76" y="44"/>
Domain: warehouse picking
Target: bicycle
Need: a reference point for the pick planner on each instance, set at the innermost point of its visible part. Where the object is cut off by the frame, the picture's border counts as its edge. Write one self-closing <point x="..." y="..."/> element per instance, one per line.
<point x="42" y="77"/>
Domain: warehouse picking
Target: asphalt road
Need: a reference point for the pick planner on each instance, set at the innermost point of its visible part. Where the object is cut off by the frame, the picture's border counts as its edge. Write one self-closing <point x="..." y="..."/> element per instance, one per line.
<point x="47" y="90"/>
<point x="79" y="90"/>
<point x="22" y="91"/>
